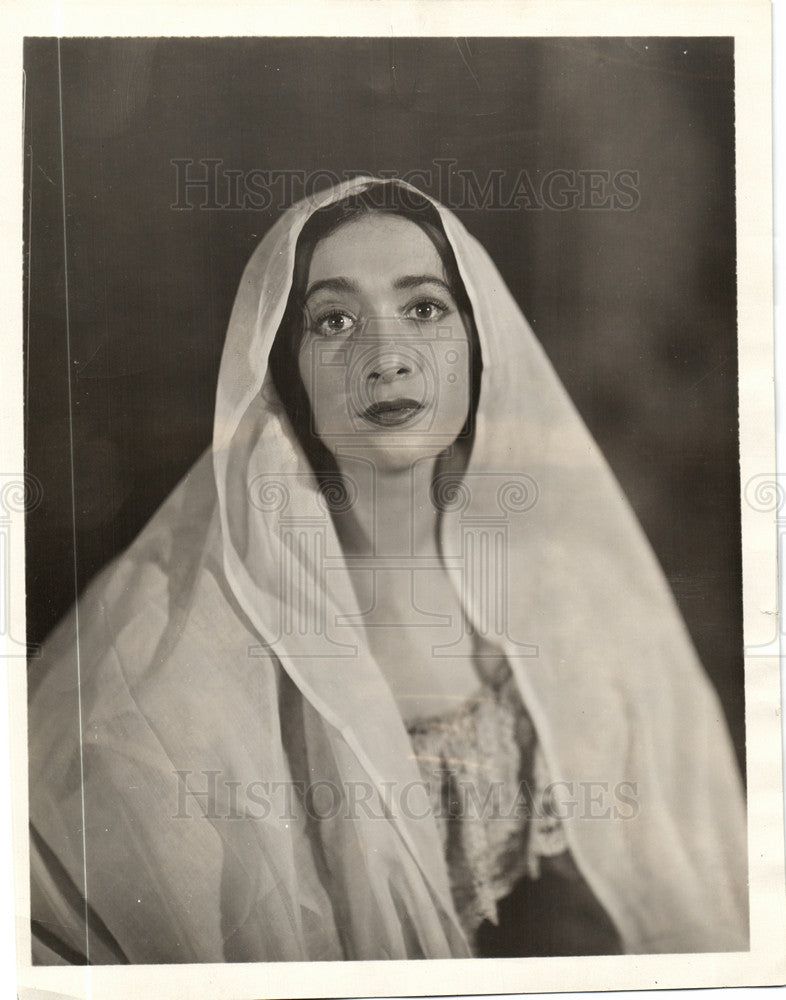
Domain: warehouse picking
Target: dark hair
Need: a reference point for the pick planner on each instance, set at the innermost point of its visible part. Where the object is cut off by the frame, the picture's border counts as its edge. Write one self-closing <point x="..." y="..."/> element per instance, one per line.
<point x="377" y="198"/>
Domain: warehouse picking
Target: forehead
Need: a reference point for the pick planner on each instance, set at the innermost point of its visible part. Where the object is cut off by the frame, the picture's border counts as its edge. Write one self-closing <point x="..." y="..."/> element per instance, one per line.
<point x="374" y="247"/>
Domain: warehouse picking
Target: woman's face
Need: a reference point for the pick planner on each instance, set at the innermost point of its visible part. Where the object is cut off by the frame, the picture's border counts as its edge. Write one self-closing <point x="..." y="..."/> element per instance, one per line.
<point x="385" y="355"/>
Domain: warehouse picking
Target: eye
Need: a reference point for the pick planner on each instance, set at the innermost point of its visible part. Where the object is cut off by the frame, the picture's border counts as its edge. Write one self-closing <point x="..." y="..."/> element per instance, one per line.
<point x="427" y="310"/>
<point x="334" y="322"/>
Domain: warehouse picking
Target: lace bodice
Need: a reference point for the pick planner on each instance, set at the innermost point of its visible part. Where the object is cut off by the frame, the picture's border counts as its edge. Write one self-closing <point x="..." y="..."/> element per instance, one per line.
<point x="485" y="777"/>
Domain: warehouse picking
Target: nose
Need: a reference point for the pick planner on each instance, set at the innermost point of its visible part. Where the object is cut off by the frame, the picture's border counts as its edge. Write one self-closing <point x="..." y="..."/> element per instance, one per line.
<point x="388" y="369"/>
<point x="391" y="360"/>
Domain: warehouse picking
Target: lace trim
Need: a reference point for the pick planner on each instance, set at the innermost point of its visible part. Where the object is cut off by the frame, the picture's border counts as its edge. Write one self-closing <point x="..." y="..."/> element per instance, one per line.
<point x="486" y="778"/>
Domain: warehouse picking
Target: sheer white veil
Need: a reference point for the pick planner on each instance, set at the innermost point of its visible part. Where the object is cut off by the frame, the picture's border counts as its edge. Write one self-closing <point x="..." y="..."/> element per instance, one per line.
<point x="571" y="591"/>
<point x="237" y="592"/>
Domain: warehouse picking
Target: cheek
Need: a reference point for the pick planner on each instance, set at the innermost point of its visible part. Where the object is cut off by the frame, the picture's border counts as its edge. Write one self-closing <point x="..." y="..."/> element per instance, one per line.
<point x="455" y="376"/>
<point x="460" y="399"/>
<point x="324" y="377"/>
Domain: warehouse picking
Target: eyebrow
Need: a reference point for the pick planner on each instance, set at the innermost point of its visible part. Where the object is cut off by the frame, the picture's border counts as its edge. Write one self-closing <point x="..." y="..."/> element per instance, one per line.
<point x="331" y="285"/>
<point x="340" y="284"/>
<point x="413" y="280"/>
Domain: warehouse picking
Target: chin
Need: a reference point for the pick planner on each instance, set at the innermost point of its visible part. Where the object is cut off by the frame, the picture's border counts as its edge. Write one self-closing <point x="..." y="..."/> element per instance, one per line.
<point x="399" y="456"/>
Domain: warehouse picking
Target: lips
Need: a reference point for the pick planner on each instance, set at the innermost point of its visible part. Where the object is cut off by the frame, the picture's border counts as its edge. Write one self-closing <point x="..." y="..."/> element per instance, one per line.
<point x="393" y="412"/>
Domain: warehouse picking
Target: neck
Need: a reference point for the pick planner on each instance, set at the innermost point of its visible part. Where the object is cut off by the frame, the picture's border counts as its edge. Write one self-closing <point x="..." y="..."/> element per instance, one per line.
<point x="393" y="514"/>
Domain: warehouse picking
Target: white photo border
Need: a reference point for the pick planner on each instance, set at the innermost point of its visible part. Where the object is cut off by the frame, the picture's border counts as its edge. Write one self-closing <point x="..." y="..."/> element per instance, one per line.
<point x="748" y="21"/>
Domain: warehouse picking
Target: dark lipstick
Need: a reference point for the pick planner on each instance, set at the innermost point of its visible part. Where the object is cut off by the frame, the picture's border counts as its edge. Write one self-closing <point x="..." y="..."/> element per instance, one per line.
<point x="393" y="412"/>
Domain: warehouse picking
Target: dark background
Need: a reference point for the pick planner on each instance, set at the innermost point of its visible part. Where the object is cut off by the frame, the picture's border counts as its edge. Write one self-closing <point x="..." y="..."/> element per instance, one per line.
<point x="636" y="309"/>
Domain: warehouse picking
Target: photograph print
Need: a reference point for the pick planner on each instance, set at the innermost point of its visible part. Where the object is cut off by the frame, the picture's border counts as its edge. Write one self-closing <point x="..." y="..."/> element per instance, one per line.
<point x="383" y="579"/>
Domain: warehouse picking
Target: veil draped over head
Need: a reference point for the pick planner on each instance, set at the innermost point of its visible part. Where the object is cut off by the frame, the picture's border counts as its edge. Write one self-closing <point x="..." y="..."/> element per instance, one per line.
<point x="218" y="769"/>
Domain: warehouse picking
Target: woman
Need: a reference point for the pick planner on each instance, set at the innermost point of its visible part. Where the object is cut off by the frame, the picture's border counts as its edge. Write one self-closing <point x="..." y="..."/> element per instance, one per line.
<point x="393" y="673"/>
